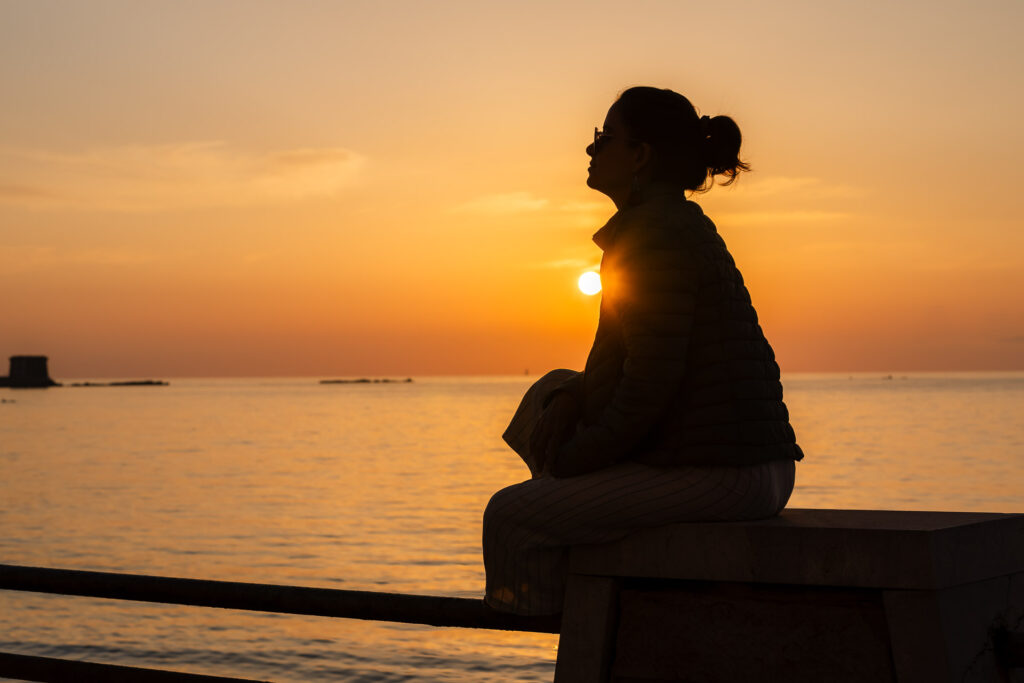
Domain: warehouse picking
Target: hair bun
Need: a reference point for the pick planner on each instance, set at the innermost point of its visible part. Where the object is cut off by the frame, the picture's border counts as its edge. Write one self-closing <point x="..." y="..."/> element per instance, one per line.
<point x="722" y="147"/>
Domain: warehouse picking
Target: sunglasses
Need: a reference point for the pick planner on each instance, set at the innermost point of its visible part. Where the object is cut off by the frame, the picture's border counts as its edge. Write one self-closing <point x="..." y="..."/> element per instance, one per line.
<point x="601" y="139"/>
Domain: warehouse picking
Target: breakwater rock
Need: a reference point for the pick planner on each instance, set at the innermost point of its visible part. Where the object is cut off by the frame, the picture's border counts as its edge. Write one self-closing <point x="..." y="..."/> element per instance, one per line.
<point x="126" y="383"/>
<point x="407" y="380"/>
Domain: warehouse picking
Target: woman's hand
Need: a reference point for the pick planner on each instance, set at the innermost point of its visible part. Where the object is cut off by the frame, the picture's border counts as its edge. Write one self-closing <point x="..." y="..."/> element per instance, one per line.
<point x="556" y="424"/>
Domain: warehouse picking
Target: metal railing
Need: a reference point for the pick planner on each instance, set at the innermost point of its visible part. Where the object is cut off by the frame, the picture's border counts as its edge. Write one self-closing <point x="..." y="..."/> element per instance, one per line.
<point x="323" y="602"/>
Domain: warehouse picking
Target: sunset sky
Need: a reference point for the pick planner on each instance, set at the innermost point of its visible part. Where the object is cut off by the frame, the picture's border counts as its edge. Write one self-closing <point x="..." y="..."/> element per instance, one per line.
<point x="397" y="188"/>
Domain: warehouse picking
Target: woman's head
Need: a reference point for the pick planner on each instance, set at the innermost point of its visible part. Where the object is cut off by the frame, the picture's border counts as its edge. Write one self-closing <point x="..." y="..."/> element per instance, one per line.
<point x="671" y="143"/>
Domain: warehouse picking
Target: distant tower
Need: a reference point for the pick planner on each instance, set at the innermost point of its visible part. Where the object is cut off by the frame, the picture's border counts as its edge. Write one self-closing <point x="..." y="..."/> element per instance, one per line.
<point x="28" y="372"/>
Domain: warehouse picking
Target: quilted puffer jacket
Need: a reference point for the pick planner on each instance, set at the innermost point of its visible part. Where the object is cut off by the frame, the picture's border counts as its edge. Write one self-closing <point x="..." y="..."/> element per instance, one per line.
<point x="680" y="371"/>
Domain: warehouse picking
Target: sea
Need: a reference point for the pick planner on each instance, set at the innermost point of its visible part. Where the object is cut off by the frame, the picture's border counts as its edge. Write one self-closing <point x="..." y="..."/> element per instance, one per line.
<point x="381" y="487"/>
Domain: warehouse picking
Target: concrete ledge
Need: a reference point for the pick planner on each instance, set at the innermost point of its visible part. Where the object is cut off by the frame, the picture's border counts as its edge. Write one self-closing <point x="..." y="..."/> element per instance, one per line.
<point x="850" y="548"/>
<point x="809" y="596"/>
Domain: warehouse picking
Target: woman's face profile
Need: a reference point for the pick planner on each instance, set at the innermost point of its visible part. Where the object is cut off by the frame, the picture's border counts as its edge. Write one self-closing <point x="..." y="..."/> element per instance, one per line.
<point x="612" y="158"/>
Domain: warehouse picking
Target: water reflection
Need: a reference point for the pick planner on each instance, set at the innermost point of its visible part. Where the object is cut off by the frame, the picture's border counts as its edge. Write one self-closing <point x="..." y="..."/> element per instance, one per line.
<point x="381" y="487"/>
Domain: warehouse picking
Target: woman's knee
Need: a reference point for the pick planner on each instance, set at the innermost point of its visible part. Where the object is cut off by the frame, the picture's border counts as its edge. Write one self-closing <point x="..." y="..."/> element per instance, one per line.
<point x="511" y="507"/>
<point x="500" y="509"/>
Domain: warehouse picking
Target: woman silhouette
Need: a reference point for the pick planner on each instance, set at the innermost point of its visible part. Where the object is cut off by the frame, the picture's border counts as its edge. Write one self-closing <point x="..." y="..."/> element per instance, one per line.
<point x="678" y="414"/>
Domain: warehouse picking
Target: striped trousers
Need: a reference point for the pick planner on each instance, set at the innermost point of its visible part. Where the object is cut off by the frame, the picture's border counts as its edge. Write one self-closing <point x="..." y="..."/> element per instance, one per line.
<point x="529" y="527"/>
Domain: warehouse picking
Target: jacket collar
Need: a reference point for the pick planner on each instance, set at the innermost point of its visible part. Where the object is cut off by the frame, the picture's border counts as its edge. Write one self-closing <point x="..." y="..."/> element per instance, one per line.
<point x="605" y="237"/>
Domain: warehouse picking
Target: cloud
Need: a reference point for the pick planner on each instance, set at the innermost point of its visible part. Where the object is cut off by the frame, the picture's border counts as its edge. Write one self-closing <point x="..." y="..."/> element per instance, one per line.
<point x="585" y="207"/>
<point x="21" y="192"/>
<point x="509" y="202"/>
<point x="780" y="217"/>
<point x="568" y="264"/>
<point x="1015" y="339"/>
<point x="796" y="187"/>
<point x="22" y="259"/>
<point x="173" y="176"/>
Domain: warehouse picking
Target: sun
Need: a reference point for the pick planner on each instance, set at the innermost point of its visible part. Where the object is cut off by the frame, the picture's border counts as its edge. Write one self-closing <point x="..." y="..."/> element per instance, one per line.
<point x="589" y="283"/>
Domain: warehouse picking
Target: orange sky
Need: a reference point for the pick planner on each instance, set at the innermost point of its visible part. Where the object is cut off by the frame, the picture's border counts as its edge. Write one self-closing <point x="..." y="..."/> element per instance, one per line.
<point x="397" y="188"/>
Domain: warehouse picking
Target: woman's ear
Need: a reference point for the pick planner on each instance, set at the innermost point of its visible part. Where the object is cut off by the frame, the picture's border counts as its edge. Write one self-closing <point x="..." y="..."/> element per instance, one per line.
<point x="642" y="157"/>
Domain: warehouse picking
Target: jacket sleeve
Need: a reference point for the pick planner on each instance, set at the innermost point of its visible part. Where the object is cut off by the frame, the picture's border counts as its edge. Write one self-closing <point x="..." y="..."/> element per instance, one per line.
<point x="654" y="300"/>
<point x="573" y="386"/>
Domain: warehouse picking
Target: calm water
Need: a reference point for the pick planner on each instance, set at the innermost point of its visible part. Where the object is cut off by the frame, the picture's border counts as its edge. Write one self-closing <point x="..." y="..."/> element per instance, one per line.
<point x="381" y="487"/>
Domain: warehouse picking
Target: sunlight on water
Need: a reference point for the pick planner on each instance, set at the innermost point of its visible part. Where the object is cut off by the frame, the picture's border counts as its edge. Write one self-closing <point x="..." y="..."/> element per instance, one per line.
<point x="921" y="442"/>
<point x="376" y="487"/>
<point x="381" y="487"/>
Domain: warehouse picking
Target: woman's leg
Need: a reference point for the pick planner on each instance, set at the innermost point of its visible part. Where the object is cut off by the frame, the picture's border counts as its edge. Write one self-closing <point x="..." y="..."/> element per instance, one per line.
<point x="528" y="527"/>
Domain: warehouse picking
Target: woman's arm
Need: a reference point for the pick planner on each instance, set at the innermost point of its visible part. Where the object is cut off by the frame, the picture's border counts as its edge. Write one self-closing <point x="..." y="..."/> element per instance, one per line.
<point x="556" y="425"/>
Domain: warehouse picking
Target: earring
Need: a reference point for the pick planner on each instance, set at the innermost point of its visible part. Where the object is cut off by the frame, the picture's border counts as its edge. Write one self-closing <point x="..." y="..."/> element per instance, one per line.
<point x="634" y="190"/>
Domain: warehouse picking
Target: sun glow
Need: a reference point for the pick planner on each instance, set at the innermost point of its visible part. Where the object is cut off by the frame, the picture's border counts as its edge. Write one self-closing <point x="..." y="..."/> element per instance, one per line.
<point x="589" y="283"/>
